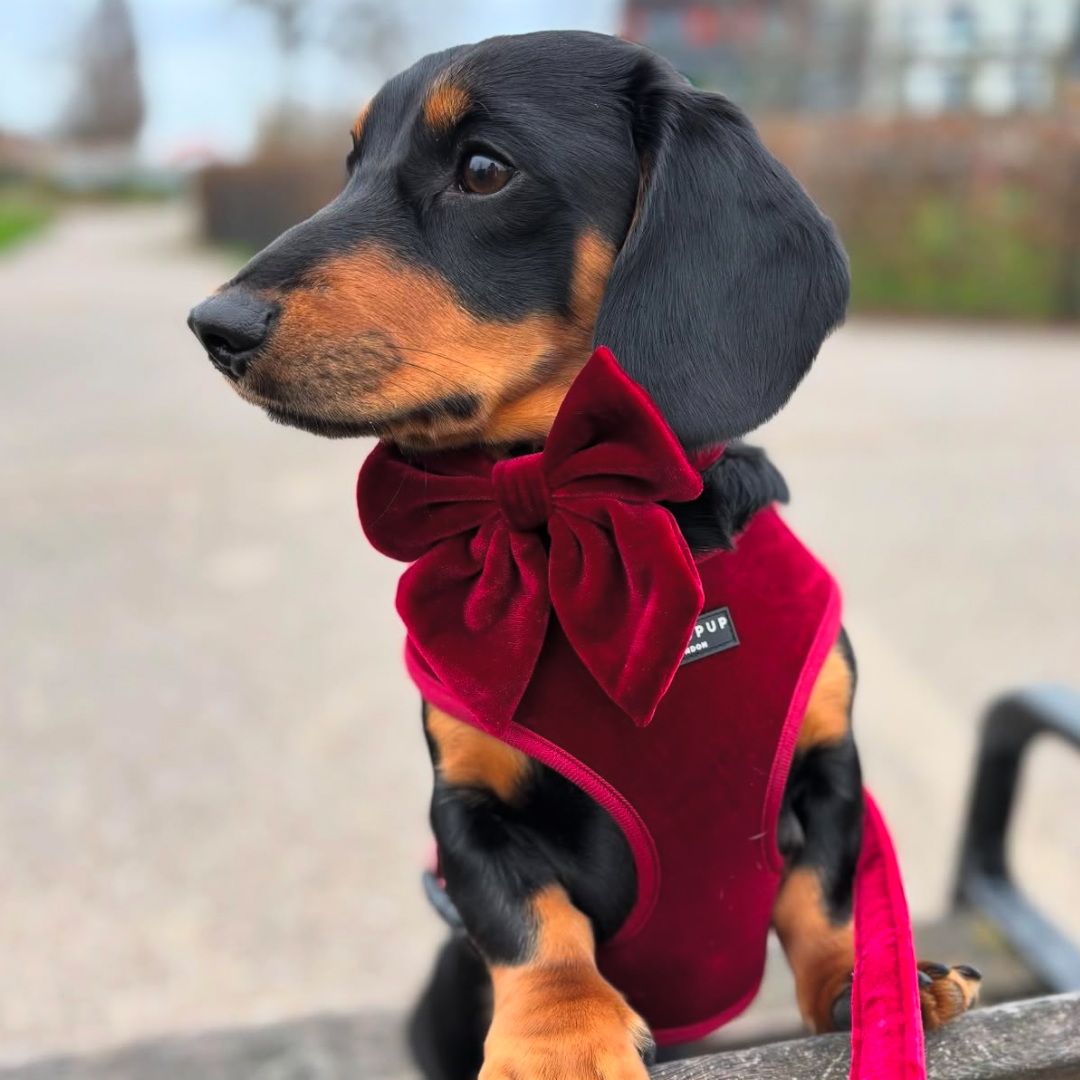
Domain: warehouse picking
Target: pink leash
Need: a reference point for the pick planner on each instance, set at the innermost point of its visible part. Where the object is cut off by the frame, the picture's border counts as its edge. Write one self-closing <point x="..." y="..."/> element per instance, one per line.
<point x="886" y="1018"/>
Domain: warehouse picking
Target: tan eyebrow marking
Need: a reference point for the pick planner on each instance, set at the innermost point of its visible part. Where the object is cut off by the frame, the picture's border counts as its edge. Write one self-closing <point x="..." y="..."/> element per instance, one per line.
<point x="445" y="105"/>
<point x="361" y="120"/>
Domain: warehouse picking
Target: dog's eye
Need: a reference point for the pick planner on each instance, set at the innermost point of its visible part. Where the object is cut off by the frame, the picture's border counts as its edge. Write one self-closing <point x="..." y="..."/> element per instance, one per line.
<point x="484" y="175"/>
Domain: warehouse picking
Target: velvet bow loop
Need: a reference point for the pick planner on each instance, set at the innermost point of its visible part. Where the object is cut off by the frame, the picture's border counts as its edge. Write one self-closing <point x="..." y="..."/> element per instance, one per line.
<point x="576" y="529"/>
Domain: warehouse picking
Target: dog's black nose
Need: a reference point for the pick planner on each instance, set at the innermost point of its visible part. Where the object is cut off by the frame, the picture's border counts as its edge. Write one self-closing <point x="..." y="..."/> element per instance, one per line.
<point x="231" y="327"/>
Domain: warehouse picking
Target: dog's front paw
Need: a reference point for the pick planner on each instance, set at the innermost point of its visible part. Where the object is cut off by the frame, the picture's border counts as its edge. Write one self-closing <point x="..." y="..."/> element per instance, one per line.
<point x="946" y="992"/>
<point x="565" y="1026"/>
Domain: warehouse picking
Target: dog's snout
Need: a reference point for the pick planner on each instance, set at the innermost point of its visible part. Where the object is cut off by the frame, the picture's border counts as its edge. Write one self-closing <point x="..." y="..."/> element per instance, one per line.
<point x="232" y="326"/>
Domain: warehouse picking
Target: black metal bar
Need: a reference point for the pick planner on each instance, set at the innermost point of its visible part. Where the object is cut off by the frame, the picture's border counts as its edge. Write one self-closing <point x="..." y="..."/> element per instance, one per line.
<point x="984" y="881"/>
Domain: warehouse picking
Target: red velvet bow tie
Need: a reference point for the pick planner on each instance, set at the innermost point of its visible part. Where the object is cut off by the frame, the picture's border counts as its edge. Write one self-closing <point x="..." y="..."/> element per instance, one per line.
<point x="496" y="547"/>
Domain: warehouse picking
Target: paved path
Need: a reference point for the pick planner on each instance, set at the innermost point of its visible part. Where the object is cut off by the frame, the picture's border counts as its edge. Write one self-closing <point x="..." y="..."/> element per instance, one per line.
<point x="212" y="781"/>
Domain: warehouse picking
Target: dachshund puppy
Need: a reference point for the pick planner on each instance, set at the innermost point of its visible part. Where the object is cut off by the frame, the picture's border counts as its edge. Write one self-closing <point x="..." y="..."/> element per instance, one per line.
<point x="509" y="205"/>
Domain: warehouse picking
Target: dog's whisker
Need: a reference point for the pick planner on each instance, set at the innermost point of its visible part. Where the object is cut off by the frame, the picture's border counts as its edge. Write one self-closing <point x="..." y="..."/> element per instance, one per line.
<point x="476" y="372"/>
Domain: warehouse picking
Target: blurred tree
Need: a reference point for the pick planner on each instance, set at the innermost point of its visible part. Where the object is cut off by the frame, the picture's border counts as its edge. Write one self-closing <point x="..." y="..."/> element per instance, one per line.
<point x="1074" y="46"/>
<point x="107" y="106"/>
<point x="363" y="34"/>
<point x="370" y="34"/>
<point x="291" y="33"/>
<point x="367" y="36"/>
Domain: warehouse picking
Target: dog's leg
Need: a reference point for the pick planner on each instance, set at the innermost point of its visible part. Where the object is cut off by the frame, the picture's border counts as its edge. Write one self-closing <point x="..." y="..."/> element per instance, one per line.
<point x="553" y="1015"/>
<point x="447" y="1028"/>
<point x="820" y="835"/>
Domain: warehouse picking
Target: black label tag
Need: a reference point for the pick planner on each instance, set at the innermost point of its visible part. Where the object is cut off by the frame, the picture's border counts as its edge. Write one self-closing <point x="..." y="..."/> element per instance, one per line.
<point x="713" y="632"/>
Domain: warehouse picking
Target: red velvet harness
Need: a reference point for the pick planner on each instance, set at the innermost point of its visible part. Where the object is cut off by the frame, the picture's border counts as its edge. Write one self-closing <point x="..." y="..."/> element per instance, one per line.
<point x="553" y="603"/>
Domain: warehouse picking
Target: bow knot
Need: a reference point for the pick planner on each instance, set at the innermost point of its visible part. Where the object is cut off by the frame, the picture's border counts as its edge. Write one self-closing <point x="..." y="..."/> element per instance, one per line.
<point x="522" y="492"/>
<point x="575" y="534"/>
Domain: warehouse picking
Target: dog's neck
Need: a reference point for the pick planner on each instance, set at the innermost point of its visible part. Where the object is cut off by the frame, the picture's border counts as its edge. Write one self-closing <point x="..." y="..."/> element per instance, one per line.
<point x="513" y="450"/>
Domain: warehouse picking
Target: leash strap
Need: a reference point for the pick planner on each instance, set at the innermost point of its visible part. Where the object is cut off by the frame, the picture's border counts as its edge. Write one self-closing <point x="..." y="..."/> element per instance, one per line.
<point x="886" y="1018"/>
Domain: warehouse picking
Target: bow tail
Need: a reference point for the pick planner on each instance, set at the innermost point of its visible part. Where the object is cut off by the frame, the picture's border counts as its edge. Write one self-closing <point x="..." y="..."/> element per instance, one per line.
<point x="487" y="658"/>
<point x="629" y="618"/>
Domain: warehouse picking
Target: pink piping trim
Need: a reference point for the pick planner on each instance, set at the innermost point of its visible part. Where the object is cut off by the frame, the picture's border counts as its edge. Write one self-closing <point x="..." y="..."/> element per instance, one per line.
<point x="642" y="845"/>
<point x="646" y="857"/>
<point x="824" y="640"/>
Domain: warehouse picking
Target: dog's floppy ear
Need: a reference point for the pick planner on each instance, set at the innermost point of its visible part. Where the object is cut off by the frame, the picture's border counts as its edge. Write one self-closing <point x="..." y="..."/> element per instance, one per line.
<point x="729" y="279"/>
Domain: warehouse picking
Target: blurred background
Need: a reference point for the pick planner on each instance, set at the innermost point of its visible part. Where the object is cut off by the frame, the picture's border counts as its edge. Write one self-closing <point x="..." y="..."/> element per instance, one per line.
<point x="213" y="785"/>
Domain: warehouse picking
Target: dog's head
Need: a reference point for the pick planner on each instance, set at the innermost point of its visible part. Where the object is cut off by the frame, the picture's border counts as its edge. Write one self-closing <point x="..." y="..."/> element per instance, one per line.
<point x="509" y="205"/>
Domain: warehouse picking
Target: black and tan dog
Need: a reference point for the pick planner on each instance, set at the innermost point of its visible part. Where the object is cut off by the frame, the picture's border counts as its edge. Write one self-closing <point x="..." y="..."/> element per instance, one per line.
<point x="508" y="204"/>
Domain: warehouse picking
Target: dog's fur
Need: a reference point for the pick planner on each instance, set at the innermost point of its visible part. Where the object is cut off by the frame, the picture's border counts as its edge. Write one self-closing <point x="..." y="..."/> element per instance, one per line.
<point x="623" y="208"/>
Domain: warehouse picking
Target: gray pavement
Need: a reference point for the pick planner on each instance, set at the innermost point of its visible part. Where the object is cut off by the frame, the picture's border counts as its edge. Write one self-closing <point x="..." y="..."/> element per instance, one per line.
<point x="212" y="782"/>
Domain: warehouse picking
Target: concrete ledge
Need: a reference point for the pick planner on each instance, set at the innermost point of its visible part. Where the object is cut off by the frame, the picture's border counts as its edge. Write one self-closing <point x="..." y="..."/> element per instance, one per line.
<point x="1030" y="1040"/>
<point x="364" y="1047"/>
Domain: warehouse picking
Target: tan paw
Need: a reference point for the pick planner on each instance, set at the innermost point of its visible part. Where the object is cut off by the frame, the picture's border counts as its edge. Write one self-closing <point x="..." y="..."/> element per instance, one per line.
<point x="566" y="1026"/>
<point x="946" y="992"/>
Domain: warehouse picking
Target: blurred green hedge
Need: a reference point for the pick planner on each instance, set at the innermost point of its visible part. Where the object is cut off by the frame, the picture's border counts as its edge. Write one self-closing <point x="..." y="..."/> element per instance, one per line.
<point x="20" y="218"/>
<point x="964" y="261"/>
<point x="959" y="216"/>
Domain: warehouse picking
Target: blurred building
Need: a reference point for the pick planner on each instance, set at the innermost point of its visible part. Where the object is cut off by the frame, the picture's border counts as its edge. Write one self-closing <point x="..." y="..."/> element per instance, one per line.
<point x="892" y="56"/>
<point x="770" y="55"/>
<point x="20" y="156"/>
<point x="988" y="56"/>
